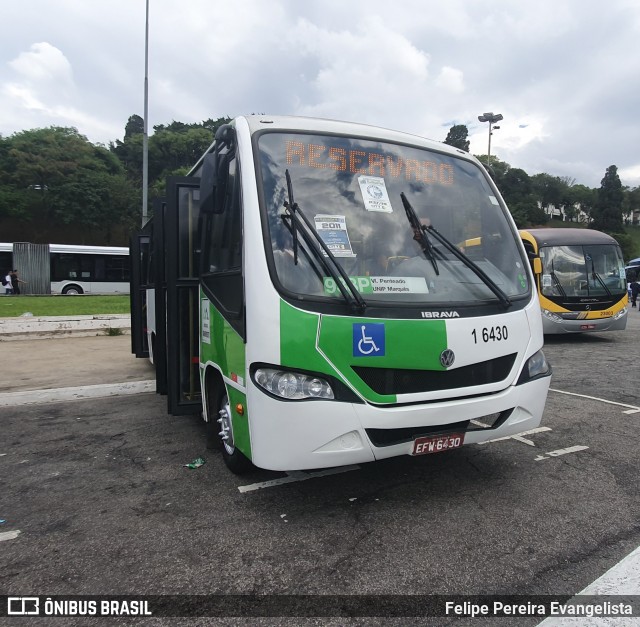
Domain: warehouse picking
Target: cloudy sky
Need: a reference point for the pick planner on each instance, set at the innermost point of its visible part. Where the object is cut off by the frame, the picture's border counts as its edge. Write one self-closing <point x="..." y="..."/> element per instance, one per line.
<point x="564" y="74"/>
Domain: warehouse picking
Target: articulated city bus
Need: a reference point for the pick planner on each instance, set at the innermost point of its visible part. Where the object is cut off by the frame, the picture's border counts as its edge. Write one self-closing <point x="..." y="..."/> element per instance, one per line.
<point x="69" y="268"/>
<point x="311" y="300"/>
<point x="582" y="284"/>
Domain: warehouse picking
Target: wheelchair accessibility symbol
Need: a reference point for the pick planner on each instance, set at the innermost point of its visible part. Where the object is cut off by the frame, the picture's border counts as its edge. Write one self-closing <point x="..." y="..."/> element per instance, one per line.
<point x="368" y="340"/>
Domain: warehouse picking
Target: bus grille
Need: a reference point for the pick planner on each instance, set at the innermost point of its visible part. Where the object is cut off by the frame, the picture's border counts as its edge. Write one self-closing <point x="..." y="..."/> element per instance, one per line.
<point x="403" y="381"/>
<point x="389" y="437"/>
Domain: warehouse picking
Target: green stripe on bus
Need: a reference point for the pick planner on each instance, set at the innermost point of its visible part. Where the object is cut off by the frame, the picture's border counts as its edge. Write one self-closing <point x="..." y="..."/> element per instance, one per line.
<point x="227" y="350"/>
<point x="409" y="344"/>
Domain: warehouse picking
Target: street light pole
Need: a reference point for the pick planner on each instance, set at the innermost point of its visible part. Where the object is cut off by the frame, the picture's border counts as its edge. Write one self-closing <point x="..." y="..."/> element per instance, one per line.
<point x="145" y="133"/>
<point x="492" y="119"/>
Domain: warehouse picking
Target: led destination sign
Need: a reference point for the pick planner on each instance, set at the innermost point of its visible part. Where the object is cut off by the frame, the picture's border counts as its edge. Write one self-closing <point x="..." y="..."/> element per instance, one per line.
<point x="367" y="162"/>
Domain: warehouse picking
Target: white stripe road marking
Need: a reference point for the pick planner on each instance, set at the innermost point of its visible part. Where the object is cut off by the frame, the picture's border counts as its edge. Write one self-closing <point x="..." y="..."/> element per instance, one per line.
<point x="36" y="397"/>
<point x="9" y="535"/>
<point x="623" y="579"/>
<point x="632" y="408"/>
<point x="523" y="440"/>
<point x="296" y="476"/>
<point x="518" y="436"/>
<point x="561" y="451"/>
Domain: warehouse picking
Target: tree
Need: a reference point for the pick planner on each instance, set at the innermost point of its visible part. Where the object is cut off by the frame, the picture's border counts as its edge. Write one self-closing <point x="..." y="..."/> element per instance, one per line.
<point x="517" y="189"/>
<point x="134" y="126"/>
<point x="55" y="177"/>
<point x="457" y="137"/>
<point x="607" y="213"/>
<point x="585" y="198"/>
<point x="173" y="148"/>
<point x="549" y="190"/>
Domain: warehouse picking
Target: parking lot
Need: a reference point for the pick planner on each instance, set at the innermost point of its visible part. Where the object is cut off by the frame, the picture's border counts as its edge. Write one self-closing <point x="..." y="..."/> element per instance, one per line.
<point x="103" y="504"/>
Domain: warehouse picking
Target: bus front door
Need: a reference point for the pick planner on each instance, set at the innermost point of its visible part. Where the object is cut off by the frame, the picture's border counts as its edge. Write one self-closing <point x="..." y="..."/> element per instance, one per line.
<point x="181" y="247"/>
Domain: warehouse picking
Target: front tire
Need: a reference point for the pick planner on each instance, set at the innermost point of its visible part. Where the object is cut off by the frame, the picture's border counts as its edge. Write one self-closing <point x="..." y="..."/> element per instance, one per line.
<point x="220" y="430"/>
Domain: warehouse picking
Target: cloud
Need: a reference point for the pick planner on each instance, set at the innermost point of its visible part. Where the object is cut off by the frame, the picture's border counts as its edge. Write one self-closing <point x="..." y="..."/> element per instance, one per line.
<point x="564" y="77"/>
<point x="361" y="72"/>
<point x="451" y="80"/>
<point x="43" y="64"/>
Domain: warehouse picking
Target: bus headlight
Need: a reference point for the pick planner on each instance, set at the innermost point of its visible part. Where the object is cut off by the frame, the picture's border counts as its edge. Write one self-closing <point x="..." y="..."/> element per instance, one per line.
<point x="537" y="366"/>
<point x="552" y="316"/>
<point x="621" y="313"/>
<point x="293" y="386"/>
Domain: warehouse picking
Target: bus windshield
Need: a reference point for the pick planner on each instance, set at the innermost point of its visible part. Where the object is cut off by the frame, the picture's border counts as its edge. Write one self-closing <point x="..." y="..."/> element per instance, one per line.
<point x="582" y="271"/>
<point x="349" y="189"/>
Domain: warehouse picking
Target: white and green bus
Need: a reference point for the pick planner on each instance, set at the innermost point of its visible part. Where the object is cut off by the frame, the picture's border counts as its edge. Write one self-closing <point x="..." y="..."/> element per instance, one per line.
<point x="320" y="307"/>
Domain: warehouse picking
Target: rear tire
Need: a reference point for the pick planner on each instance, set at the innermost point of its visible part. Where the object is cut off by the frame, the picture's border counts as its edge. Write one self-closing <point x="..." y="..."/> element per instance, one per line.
<point x="220" y="430"/>
<point x="72" y="290"/>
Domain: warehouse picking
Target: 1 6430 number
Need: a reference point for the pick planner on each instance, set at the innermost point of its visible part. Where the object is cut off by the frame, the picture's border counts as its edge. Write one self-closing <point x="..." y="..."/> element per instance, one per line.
<point x="490" y="334"/>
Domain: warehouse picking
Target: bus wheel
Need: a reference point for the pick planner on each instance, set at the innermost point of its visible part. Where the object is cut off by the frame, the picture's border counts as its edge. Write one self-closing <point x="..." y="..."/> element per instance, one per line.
<point x="72" y="289"/>
<point x="236" y="461"/>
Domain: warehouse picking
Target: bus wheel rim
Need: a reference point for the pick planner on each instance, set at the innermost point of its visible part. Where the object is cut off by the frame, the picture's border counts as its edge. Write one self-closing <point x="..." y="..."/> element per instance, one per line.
<point x="226" y="432"/>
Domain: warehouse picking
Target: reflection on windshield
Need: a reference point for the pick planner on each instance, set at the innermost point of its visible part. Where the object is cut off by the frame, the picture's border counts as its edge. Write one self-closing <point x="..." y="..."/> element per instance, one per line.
<point x="350" y="191"/>
<point x="582" y="271"/>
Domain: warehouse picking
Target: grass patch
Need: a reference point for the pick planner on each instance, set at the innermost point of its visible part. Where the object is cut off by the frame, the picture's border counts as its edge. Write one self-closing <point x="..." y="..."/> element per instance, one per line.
<point x="113" y="331"/>
<point x="79" y="305"/>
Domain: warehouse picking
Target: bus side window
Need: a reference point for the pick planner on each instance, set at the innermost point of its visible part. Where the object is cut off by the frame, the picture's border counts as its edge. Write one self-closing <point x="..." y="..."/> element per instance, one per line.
<point x="222" y="253"/>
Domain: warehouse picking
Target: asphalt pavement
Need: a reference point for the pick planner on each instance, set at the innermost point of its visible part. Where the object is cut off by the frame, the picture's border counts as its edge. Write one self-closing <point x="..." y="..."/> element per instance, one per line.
<point x="97" y="500"/>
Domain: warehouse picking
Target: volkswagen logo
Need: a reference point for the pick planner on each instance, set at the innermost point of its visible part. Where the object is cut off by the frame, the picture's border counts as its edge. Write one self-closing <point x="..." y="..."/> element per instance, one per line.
<point x="447" y="357"/>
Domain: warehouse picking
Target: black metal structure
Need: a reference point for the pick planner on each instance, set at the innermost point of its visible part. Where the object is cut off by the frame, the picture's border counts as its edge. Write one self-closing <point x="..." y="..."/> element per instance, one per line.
<point x="182" y="274"/>
<point x="165" y="282"/>
<point x="139" y="251"/>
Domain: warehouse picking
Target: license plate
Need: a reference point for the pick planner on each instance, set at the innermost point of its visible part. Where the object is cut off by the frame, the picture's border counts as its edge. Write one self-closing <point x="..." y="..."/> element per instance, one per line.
<point x="437" y="443"/>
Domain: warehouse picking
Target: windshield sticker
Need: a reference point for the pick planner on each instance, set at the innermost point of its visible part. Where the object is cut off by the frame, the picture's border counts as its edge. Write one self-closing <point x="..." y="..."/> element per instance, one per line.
<point x="546" y="280"/>
<point x="333" y="231"/>
<point x="374" y="194"/>
<point x="206" y="328"/>
<point x="381" y="285"/>
<point x="494" y="200"/>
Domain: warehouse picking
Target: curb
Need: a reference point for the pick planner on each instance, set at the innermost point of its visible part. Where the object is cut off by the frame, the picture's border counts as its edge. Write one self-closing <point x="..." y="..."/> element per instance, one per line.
<point x="37" y="397"/>
<point x="47" y="327"/>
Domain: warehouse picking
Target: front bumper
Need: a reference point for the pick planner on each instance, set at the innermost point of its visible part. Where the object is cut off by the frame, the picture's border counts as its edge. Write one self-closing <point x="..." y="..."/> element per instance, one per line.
<point x="321" y="434"/>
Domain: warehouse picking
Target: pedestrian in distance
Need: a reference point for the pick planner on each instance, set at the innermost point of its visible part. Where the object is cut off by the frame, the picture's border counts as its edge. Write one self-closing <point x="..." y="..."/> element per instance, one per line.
<point x="635" y="290"/>
<point x="15" y="281"/>
<point x="6" y="283"/>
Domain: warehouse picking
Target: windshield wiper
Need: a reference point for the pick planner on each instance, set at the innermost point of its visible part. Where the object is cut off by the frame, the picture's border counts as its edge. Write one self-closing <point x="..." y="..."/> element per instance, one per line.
<point x="420" y="233"/>
<point x="595" y="276"/>
<point x="321" y="252"/>
<point x="479" y="272"/>
<point x="556" y="280"/>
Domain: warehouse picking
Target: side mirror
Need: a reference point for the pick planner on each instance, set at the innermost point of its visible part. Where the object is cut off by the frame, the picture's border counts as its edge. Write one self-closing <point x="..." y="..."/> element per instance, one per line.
<point x="536" y="265"/>
<point x="214" y="174"/>
<point x="208" y="183"/>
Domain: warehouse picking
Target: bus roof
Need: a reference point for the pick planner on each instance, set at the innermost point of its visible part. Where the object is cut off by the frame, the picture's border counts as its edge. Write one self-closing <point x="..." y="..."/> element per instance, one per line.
<point x="569" y="237"/>
<point x="74" y="248"/>
<point x="294" y="124"/>
<point x="96" y="250"/>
